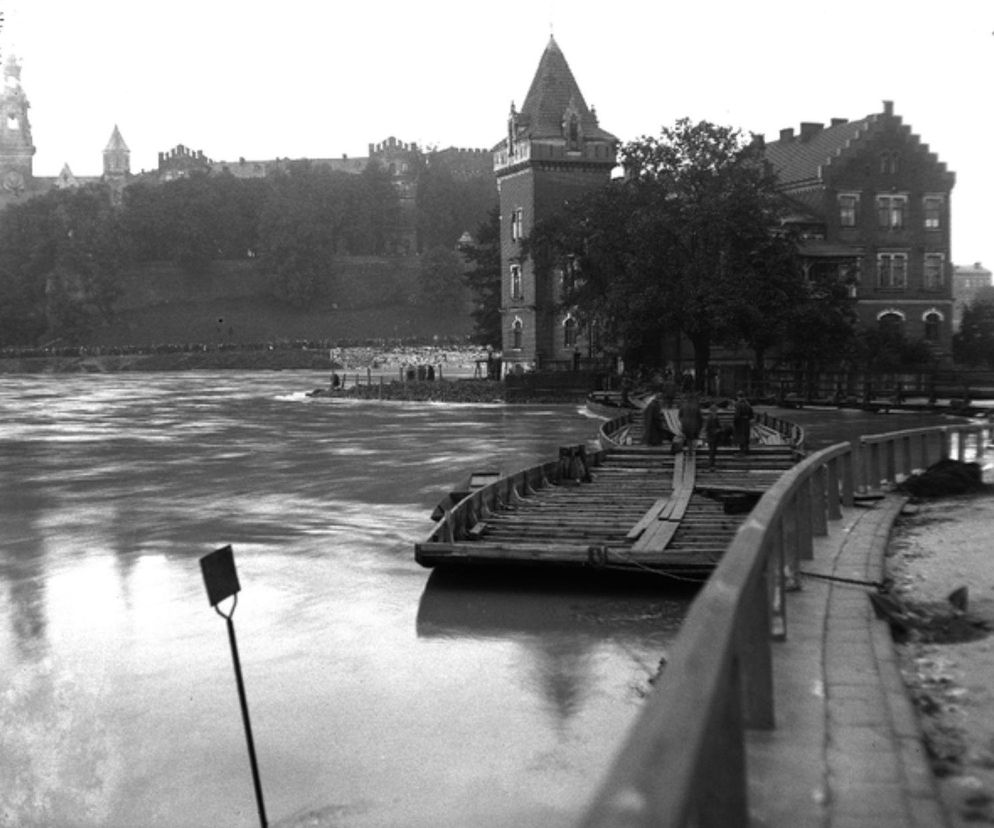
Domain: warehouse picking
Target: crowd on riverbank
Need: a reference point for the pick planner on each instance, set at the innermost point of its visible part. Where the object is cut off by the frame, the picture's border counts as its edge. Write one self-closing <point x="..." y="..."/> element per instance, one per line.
<point x="455" y="357"/>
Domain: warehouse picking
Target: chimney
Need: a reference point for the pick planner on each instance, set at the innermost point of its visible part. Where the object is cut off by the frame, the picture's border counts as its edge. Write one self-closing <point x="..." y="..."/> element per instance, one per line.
<point x="839" y="121"/>
<point x="759" y="141"/>
<point x="809" y="129"/>
<point x="888" y="107"/>
<point x="787" y="134"/>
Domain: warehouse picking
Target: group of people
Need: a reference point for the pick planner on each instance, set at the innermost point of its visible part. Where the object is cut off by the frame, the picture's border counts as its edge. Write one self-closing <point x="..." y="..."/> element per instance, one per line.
<point x="693" y="422"/>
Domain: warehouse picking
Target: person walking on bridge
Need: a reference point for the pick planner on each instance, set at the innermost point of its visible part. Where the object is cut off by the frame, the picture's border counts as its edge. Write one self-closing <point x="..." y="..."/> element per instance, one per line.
<point x="690" y="420"/>
<point x="742" y="422"/>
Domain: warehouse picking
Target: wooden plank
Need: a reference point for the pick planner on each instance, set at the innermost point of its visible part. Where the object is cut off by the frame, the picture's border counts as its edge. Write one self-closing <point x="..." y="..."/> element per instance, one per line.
<point x="661" y="509"/>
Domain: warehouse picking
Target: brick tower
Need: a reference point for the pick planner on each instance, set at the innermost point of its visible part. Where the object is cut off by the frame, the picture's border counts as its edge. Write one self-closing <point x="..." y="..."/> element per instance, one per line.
<point x="554" y="151"/>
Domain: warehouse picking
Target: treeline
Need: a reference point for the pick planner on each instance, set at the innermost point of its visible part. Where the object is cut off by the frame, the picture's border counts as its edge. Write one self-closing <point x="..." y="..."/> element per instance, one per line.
<point x="62" y="254"/>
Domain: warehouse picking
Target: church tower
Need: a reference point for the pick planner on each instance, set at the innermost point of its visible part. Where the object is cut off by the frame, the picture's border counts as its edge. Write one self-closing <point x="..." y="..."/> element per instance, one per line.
<point x="117" y="165"/>
<point x="554" y="150"/>
<point x="16" y="149"/>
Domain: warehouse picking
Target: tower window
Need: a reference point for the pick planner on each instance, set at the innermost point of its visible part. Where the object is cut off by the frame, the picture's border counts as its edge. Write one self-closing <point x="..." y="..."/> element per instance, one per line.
<point x="13" y="122"/>
<point x="516" y="292"/>
<point x="517" y="224"/>
<point x="516" y="334"/>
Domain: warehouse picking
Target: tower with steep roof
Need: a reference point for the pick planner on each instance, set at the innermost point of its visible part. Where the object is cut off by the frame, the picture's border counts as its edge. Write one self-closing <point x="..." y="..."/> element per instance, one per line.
<point x="117" y="165"/>
<point x="554" y="150"/>
<point x="16" y="148"/>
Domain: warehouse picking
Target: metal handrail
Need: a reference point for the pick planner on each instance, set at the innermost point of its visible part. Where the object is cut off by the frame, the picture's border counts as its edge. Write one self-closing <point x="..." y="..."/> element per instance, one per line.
<point x="683" y="762"/>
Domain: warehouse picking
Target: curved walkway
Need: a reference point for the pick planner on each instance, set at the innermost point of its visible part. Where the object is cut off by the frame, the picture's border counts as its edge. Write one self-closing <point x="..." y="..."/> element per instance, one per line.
<point x="847" y="750"/>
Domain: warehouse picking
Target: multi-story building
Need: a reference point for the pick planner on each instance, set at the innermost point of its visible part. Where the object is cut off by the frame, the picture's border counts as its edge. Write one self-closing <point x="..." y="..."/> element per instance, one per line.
<point x="554" y="150"/>
<point x="968" y="281"/>
<point x="873" y="202"/>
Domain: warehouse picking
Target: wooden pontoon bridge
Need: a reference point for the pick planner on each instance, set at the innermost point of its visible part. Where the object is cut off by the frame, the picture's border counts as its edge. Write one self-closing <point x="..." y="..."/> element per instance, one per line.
<point x="619" y="504"/>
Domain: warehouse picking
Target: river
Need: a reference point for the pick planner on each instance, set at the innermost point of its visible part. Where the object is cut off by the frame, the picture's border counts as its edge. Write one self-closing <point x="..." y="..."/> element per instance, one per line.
<point x="380" y="694"/>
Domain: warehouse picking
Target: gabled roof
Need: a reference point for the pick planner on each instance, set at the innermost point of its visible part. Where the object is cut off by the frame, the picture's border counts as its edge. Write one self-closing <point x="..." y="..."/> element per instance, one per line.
<point x="552" y="93"/>
<point x="801" y="160"/>
<point x="116" y="142"/>
<point x="797" y="160"/>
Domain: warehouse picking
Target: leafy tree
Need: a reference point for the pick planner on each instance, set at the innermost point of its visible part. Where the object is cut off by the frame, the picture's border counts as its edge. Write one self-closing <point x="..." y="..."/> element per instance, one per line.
<point x="374" y="212"/>
<point x="688" y="242"/>
<point x="297" y="239"/>
<point x="441" y="278"/>
<point x="59" y="269"/>
<point x="483" y="276"/>
<point x="973" y="344"/>
<point x="448" y="206"/>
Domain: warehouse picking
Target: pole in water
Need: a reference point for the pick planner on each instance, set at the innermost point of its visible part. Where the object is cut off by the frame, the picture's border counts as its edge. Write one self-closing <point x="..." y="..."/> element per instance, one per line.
<point x="221" y="581"/>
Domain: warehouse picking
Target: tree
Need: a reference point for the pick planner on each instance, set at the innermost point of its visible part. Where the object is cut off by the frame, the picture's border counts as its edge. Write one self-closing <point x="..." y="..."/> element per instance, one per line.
<point x="973" y="344"/>
<point x="440" y="275"/>
<point x="483" y="276"/>
<point x="689" y="242"/>
<point x="299" y="234"/>
<point x="60" y="263"/>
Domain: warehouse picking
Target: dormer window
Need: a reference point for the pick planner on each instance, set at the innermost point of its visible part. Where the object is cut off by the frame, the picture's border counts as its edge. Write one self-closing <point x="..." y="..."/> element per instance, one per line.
<point x="574" y="132"/>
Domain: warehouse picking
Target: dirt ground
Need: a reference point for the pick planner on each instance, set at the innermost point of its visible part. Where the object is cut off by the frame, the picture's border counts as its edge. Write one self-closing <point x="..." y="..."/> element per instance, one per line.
<point x="942" y="545"/>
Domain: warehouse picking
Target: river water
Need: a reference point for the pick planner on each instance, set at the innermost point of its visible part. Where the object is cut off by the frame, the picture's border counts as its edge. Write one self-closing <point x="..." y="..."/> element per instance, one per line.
<point x="381" y="694"/>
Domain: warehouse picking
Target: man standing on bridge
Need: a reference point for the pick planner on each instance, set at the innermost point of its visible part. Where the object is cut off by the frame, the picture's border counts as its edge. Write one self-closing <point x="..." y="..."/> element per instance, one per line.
<point x="742" y="421"/>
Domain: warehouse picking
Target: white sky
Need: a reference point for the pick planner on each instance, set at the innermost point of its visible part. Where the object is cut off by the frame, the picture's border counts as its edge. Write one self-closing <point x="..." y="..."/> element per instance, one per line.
<point x="306" y="78"/>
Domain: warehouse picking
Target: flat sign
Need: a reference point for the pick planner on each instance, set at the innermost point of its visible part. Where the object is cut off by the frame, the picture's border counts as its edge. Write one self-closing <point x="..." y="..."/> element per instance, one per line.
<point x="220" y="577"/>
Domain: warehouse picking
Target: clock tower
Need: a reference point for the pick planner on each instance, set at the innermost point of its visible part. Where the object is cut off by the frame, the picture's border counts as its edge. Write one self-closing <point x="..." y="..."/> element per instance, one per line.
<point x="16" y="149"/>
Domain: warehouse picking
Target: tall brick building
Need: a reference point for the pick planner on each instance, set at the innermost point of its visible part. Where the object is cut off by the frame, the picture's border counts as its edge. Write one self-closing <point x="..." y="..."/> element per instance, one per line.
<point x="872" y="201"/>
<point x="554" y="150"/>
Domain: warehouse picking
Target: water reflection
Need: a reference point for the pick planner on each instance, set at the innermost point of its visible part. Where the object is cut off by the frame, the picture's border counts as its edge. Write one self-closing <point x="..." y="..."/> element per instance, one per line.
<point x="559" y="619"/>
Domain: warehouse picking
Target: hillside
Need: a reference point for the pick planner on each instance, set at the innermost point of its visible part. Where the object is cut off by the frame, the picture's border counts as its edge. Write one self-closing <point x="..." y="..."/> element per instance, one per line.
<point x="366" y="298"/>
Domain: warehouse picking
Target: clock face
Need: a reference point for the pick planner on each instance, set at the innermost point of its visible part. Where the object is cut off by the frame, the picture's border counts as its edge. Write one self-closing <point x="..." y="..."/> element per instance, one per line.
<point x="13" y="180"/>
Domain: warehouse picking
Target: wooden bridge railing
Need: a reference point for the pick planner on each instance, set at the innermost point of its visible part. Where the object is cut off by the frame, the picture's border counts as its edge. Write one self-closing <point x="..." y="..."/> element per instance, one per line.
<point x="683" y="762"/>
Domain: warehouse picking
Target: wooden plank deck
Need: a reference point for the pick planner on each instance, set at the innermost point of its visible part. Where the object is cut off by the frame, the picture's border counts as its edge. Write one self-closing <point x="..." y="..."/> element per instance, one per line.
<point x="641" y="508"/>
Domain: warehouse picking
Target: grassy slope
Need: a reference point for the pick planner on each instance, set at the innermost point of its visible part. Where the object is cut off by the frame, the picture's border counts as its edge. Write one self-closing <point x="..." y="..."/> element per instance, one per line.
<point x="161" y="304"/>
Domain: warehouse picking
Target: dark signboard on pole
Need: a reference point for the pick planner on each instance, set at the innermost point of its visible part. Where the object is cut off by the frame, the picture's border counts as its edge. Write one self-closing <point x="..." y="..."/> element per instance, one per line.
<point x="221" y="581"/>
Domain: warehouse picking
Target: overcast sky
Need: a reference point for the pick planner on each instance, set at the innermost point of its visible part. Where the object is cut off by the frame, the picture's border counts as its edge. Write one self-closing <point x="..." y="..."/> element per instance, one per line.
<point x="300" y="78"/>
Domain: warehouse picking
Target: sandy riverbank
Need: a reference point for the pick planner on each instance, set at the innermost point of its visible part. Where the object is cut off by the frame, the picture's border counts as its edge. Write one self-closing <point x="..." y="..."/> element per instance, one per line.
<point x="946" y="544"/>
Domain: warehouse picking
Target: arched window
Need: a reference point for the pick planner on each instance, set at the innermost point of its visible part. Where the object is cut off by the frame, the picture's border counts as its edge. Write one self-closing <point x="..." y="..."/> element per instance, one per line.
<point x="516" y="334"/>
<point x="932" y="320"/>
<point x="569" y="332"/>
<point x="891" y="322"/>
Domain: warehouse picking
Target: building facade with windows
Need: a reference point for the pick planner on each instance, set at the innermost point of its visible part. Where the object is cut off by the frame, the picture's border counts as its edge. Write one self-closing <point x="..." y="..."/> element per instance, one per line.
<point x="872" y="202"/>
<point x="554" y="150"/>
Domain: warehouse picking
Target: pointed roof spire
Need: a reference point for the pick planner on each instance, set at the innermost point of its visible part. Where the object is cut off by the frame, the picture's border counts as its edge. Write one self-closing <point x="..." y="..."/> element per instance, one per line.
<point x="116" y="142"/>
<point x="553" y="92"/>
